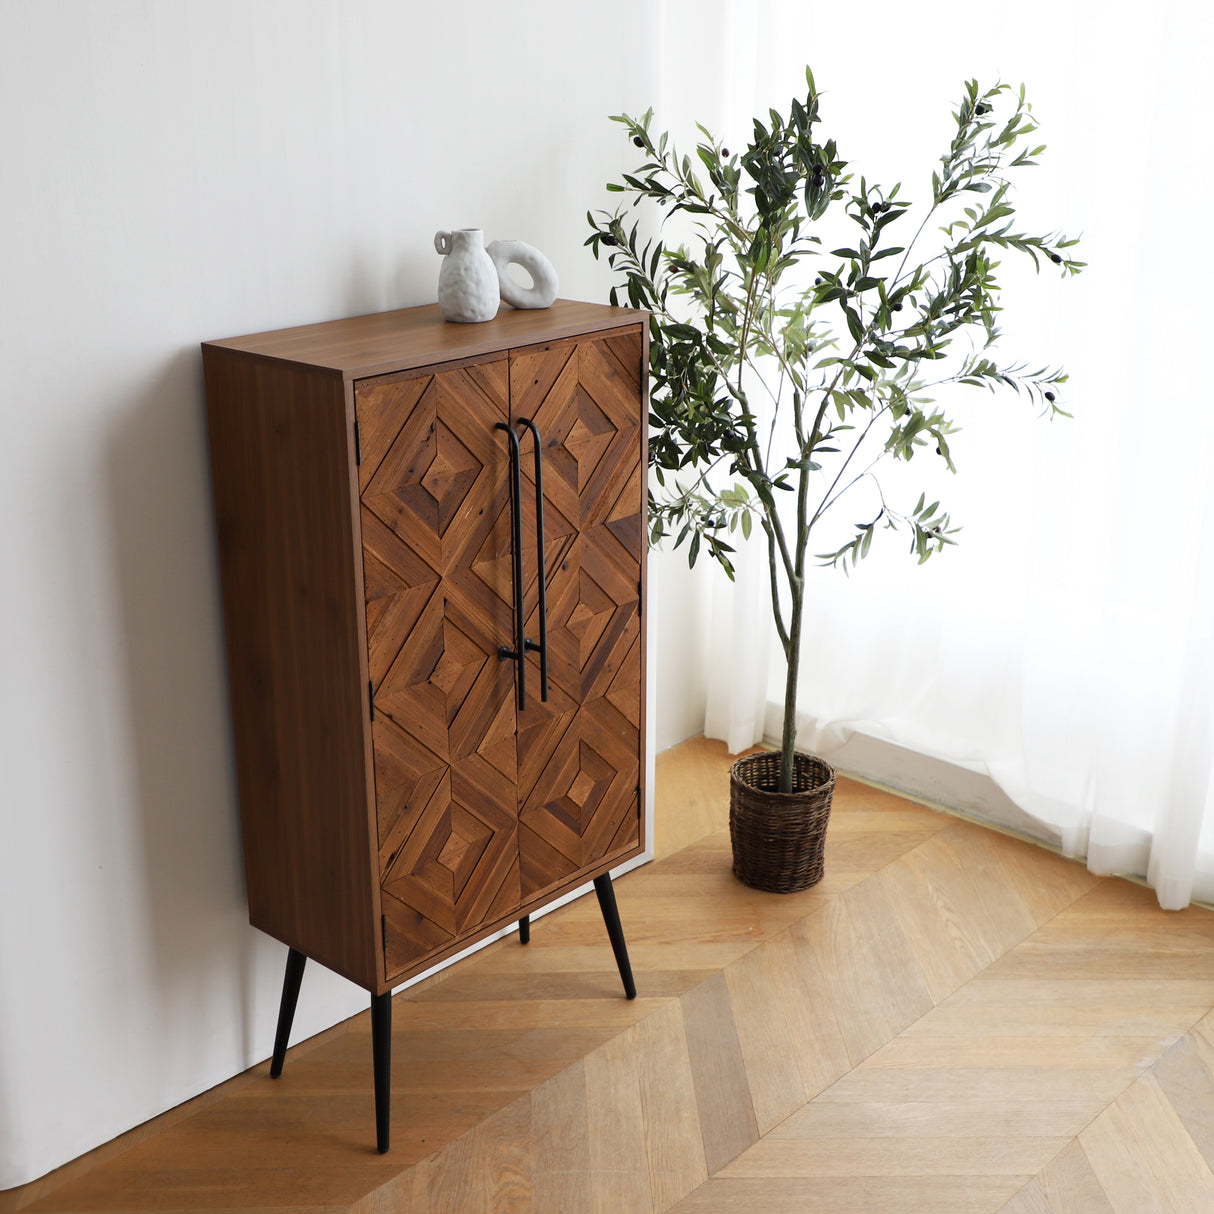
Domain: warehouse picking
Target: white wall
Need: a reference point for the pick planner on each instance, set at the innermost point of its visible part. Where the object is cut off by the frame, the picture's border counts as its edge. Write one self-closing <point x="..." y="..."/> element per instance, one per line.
<point x="678" y="652"/>
<point x="177" y="172"/>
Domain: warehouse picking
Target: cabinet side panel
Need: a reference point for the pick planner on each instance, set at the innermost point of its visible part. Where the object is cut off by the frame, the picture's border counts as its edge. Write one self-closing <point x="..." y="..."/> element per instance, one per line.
<point x="282" y="475"/>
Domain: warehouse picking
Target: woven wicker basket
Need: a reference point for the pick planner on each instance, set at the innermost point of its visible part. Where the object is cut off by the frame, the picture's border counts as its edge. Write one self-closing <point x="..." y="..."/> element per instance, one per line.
<point x="778" y="838"/>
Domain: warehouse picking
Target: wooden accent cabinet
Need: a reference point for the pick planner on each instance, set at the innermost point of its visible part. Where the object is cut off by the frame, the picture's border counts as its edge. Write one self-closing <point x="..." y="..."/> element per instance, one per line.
<point x="379" y="526"/>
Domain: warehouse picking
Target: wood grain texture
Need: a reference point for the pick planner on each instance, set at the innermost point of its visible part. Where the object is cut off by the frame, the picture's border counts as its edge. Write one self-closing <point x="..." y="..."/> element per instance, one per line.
<point x="459" y="848"/>
<point x="727" y="1116"/>
<point x="850" y="1195"/>
<point x="282" y="470"/>
<point x="735" y="1082"/>
<point x="438" y="594"/>
<point x="617" y="1127"/>
<point x="378" y="749"/>
<point x="580" y="753"/>
<point x="1186" y="1077"/>
<point x="676" y="1160"/>
<point x="1066" y="1185"/>
<point x="1142" y="1157"/>
<point x="364" y="346"/>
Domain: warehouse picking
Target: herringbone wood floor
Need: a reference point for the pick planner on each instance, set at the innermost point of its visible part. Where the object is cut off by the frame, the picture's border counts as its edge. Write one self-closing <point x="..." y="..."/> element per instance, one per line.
<point x="951" y="1022"/>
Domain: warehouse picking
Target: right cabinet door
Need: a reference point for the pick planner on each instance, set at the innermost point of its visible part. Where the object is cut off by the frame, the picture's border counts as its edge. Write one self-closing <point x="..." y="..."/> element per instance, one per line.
<point x="579" y="753"/>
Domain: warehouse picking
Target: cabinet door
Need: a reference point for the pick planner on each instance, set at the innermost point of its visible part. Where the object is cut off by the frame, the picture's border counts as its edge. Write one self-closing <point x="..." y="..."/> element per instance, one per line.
<point x="435" y="510"/>
<point x="579" y="753"/>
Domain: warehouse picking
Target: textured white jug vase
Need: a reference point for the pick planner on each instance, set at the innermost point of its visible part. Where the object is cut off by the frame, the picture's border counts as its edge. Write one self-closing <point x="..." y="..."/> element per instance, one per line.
<point x="468" y="287"/>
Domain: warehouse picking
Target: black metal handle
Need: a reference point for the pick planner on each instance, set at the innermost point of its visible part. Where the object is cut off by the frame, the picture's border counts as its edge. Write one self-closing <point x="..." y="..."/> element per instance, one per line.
<point x="542" y="647"/>
<point x="519" y="652"/>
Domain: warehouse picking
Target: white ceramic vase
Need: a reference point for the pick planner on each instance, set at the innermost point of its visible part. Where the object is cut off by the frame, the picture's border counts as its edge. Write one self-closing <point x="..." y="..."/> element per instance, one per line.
<point x="468" y="286"/>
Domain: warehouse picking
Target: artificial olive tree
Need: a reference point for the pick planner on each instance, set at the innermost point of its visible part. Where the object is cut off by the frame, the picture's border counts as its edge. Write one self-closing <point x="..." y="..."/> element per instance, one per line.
<point x="838" y="349"/>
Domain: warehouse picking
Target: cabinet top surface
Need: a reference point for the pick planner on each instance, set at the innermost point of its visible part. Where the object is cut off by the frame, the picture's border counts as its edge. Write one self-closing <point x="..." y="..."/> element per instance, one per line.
<point x="415" y="337"/>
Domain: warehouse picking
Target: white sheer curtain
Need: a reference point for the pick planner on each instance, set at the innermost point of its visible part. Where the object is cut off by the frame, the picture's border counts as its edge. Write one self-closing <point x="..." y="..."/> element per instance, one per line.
<point x="1066" y="647"/>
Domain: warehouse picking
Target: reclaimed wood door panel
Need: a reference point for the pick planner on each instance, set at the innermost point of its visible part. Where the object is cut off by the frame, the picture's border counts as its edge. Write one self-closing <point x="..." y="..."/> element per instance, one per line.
<point x="480" y="805"/>
<point x="436" y="528"/>
<point x="593" y="616"/>
<point x="579" y="753"/>
<point x="449" y="854"/>
<point x="583" y="806"/>
<point x="448" y="840"/>
<point x="397" y="585"/>
<point x="586" y="407"/>
<point x="584" y="397"/>
<point x="439" y="482"/>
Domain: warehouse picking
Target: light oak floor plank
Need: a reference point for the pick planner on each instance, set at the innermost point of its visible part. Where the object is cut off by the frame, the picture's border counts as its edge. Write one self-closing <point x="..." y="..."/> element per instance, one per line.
<point x="668" y="1096"/>
<point x="1143" y="1157"/>
<point x="951" y="1021"/>
<point x="619" y="1171"/>
<point x="761" y="1018"/>
<point x="1066" y="1185"/>
<point x="722" y="1086"/>
<point x="849" y="1195"/>
<point x="1006" y="1155"/>
<point x="560" y="1140"/>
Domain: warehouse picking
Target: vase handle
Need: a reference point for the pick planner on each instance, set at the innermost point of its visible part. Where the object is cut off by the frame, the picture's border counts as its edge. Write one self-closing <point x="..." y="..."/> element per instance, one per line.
<point x="442" y="242"/>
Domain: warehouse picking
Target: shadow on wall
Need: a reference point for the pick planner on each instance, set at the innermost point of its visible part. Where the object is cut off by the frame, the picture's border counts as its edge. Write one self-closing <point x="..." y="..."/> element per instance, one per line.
<point x="12" y="1144"/>
<point x="211" y="980"/>
<point x="183" y="770"/>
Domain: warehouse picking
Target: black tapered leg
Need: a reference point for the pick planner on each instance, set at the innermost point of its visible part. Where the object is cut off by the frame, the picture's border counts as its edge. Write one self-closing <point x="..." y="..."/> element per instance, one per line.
<point x="381" y="1048"/>
<point x="524" y="930"/>
<point x="286" y="1009"/>
<point x="611" y="917"/>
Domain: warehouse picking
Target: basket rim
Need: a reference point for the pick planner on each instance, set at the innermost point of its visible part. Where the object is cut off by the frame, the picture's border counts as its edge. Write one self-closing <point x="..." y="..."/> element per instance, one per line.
<point x="801" y="759"/>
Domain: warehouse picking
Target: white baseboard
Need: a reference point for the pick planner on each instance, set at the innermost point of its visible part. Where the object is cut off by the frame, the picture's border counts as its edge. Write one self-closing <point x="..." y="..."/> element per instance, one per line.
<point x="937" y="783"/>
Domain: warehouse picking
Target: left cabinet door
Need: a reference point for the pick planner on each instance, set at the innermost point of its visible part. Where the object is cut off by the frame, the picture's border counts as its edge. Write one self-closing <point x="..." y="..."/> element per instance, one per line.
<point x="436" y="534"/>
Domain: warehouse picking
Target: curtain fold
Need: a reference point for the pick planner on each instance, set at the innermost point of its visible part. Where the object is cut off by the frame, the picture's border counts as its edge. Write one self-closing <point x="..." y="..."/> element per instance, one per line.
<point x="1066" y="646"/>
<point x="738" y="650"/>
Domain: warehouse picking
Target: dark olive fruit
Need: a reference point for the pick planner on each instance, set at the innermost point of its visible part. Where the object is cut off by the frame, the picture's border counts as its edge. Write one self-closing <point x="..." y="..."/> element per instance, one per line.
<point x="938" y="451"/>
<point x="1050" y="397"/>
<point x="724" y="151"/>
<point x="897" y="307"/>
<point x="982" y="108"/>
<point x="1055" y="258"/>
<point x="607" y="238"/>
<point x="638" y="141"/>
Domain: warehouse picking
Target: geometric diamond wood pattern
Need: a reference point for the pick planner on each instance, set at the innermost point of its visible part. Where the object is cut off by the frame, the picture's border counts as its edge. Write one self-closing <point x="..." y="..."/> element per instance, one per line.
<point x="448" y="853"/>
<point x="583" y="801"/>
<point x="439" y="481"/>
<point x="578" y="754"/>
<point x="479" y="805"/>
<point x="435" y="518"/>
<point x="447" y="684"/>
<point x="583" y="400"/>
<point x="593" y="605"/>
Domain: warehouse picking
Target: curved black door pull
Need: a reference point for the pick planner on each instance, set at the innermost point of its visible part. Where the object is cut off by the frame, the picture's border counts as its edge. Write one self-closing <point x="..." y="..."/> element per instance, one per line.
<point x="519" y="653"/>
<point x="541" y="580"/>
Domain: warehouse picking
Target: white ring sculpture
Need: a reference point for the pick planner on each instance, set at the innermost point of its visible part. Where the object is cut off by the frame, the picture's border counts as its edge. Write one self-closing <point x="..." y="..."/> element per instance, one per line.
<point x="543" y="287"/>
